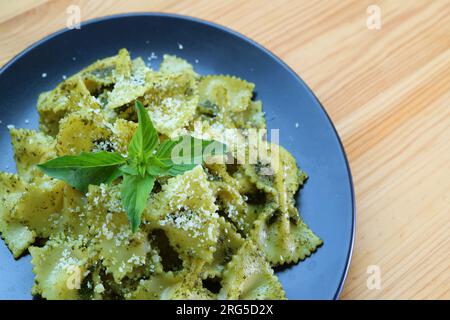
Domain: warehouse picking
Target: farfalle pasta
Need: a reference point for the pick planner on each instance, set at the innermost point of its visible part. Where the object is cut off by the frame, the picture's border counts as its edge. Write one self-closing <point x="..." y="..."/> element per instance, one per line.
<point x="214" y="232"/>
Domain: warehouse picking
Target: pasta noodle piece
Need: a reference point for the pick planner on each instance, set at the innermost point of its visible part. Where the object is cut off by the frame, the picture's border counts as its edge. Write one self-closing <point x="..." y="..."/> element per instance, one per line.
<point x="244" y="185"/>
<point x="228" y="243"/>
<point x="35" y="207"/>
<point x="17" y="236"/>
<point x="252" y="117"/>
<point x="31" y="204"/>
<point x="232" y="205"/>
<point x="128" y="89"/>
<point x="280" y="233"/>
<point x="193" y="234"/>
<point x="99" y="284"/>
<point x="71" y="95"/>
<point x="249" y="277"/>
<point x="71" y="218"/>
<point x="120" y="251"/>
<point x="186" y="284"/>
<point x="284" y="238"/>
<point x="186" y="211"/>
<point x="158" y="287"/>
<point x="264" y="182"/>
<point x="172" y="286"/>
<point x="123" y="130"/>
<point x="239" y="200"/>
<point x="172" y="101"/>
<point x="227" y="102"/>
<point x="80" y="131"/>
<point x="229" y="93"/>
<point x="174" y="64"/>
<point x="289" y="182"/>
<point x="230" y="196"/>
<point x="278" y="177"/>
<point x="30" y="148"/>
<point x="106" y="72"/>
<point x="42" y="208"/>
<point x="60" y="267"/>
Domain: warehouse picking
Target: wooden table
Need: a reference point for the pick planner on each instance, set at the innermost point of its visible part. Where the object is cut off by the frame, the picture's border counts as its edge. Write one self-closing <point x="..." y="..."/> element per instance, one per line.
<point x="387" y="91"/>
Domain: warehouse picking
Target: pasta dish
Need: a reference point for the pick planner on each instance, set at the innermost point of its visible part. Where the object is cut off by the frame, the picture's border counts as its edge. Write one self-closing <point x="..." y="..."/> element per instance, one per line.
<point x="127" y="222"/>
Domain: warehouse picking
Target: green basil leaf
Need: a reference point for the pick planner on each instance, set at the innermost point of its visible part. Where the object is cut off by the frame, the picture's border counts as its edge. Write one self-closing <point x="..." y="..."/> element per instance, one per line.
<point x="164" y="152"/>
<point x="156" y="167"/>
<point x="178" y="169"/>
<point x="82" y="170"/>
<point x="187" y="152"/>
<point x="135" y="193"/>
<point x="146" y="139"/>
<point x="117" y="173"/>
<point x="129" y="169"/>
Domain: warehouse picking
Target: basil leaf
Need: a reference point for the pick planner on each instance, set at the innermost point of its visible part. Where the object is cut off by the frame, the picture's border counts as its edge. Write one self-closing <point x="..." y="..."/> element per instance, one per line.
<point x="181" y="168"/>
<point x="85" y="169"/>
<point x="146" y="139"/>
<point x="135" y="193"/>
<point x="156" y="167"/>
<point x="140" y="169"/>
<point x="187" y="152"/>
<point x="164" y="152"/>
<point x="117" y="173"/>
<point x="129" y="169"/>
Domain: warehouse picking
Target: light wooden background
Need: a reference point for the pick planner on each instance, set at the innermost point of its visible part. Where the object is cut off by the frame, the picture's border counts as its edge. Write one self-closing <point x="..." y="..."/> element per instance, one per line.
<point x="387" y="91"/>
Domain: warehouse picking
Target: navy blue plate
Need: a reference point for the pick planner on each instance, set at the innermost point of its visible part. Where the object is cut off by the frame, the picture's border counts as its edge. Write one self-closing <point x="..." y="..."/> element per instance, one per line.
<point x="327" y="200"/>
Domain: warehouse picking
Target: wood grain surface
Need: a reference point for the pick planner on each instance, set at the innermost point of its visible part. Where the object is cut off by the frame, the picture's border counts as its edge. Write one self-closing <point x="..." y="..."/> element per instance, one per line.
<point x="387" y="91"/>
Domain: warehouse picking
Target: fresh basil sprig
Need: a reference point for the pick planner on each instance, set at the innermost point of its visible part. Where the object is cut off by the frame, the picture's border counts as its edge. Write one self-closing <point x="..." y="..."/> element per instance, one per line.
<point x="147" y="159"/>
<point x="85" y="169"/>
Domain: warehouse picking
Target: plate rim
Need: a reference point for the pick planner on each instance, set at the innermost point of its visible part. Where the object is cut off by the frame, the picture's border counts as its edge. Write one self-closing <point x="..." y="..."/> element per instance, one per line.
<point x="249" y="41"/>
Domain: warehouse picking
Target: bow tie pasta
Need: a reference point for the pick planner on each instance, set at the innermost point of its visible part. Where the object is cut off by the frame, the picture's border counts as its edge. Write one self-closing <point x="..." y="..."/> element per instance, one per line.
<point x="214" y="232"/>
